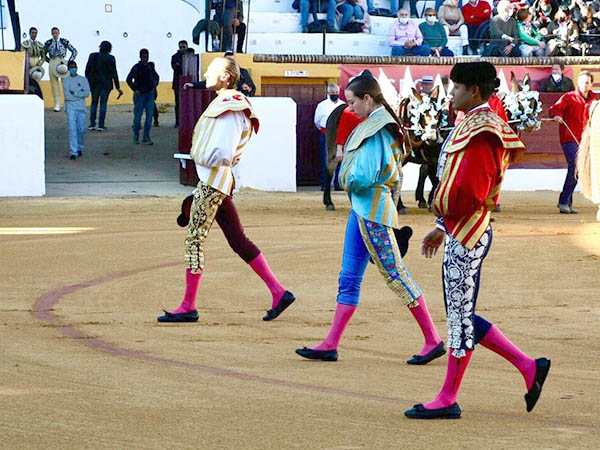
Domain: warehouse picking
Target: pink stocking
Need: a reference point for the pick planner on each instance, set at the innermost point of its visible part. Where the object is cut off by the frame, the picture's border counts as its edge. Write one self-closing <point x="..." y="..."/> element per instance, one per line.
<point x="262" y="269"/>
<point x="454" y="374"/>
<point x="498" y="343"/>
<point x="188" y="303"/>
<point x="423" y="318"/>
<point x="342" y="316"/>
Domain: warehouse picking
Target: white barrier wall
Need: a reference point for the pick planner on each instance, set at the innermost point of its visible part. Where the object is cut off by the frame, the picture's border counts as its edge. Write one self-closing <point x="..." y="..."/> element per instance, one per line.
<point x="21" y="146"/>
<point x="514" y="180"/>
<point x="269" y="159"/>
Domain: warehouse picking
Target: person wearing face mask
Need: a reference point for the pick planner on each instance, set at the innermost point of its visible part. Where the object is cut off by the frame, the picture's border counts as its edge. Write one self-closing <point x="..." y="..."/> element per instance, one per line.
<point x="75" y="89"/>
<point x="434" y="34"/>
<point x="557" y="82"/>
<point x="324" y="109"/>
<point x="571" y="112"/>
<point x="543" y="12"/>
<point x="589" y="28"/>
<point x="565" y="35"/>
<point x="504" y="34"/>
<point x="405" y="37"/>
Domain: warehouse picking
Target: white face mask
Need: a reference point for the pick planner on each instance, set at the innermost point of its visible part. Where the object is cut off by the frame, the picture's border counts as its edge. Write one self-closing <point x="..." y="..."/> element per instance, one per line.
<point x="431" y="19"/>
<point x="556" y="76"/>
<point x="403" y="20"/>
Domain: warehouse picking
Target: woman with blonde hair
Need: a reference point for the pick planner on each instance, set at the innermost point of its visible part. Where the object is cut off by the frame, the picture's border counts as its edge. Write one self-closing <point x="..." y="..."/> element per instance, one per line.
<point x="453" y="20"/>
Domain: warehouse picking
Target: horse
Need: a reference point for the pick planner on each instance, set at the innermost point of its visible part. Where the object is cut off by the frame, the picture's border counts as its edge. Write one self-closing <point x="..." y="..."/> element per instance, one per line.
<point x="522" y="105"/>
<point x="426" y="118"/>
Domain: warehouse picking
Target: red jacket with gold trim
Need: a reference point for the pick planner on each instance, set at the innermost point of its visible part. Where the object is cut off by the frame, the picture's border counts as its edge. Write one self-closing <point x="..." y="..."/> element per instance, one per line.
<point x="481" y="149"/>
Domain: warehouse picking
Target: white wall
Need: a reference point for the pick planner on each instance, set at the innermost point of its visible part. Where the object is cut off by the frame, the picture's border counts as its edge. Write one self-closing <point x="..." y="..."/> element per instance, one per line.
<point x="147" y="22"/>
<point x="269" y="159"/>
<point x="21" y="146"/>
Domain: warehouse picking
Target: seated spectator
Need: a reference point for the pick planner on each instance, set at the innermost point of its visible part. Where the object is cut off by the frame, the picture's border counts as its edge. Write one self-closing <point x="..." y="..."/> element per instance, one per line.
<point x="450" y="15"/>
<point x="4" y="83"/>
<point x="557" y="82"/>
<point x="405" y="38"/>
<point x="354" y="16"/>
<point x="434" y="34"/>
<point x="314" y="6"/>
<point x="394" y="5"/>
<point x="504" y="34"/>
<point x="543" y="12"/>
<point x="477" y="14"/>
<point x="532" y="41"/>
<point x="565" y="35"/>
<point x="589" y="32"/>
<point x="439" y="3"/>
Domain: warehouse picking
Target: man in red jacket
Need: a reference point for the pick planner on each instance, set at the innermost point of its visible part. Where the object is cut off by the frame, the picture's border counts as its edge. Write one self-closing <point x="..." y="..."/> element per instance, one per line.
<point x="476" y="13"/>
<point x="571" y="112"/>
<point x="471" y="169"/>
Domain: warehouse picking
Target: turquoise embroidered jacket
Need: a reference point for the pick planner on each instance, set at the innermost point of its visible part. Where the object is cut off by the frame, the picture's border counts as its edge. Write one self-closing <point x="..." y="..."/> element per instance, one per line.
<point x="372" y="170"/>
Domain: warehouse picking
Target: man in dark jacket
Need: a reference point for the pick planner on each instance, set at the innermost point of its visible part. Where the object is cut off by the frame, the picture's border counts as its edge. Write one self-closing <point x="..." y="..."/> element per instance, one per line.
<point x="142" y="80"/>
<point x="101" y="72"/>
<point x="557" y="82"/>
<point x="177" y="66"/>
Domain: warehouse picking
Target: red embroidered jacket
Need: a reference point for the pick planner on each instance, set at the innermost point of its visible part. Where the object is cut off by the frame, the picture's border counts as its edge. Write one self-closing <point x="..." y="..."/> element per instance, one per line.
<point x="481" y="149"/>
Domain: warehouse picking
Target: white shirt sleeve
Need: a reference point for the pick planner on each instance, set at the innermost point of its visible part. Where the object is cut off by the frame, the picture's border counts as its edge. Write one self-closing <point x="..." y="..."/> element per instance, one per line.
<point x="319" y="115"/>
<point x="220" y="147"/>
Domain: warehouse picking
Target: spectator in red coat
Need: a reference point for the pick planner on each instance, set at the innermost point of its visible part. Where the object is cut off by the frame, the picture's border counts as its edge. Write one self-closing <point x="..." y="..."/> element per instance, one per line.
<point x="476" y="13"/>
<point x="571" y="112"/>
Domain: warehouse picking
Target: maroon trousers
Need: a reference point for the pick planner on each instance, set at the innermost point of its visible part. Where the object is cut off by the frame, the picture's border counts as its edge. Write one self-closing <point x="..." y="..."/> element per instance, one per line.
<point x="229" y="221"/>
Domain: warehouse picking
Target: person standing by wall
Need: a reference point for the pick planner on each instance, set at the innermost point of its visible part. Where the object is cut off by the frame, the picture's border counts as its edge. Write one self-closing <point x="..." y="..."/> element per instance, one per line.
<point x="101" y="72"/>
<point x="571" y="113"/>
<point x="56" y="50"/>
<point x="142" y="80"/>
<point x="557" y="81"/>
<point x="177" y="66"/>
<point x="76" y="89"/>
<point x="324" y="109"/>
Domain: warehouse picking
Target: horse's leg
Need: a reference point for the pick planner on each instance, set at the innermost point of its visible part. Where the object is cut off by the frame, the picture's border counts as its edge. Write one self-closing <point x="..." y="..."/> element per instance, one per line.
<point x="327" y="193"/>
<point x="400" y="207"/>
<point x="419" y="193"/>
<point x="432" y="174"/>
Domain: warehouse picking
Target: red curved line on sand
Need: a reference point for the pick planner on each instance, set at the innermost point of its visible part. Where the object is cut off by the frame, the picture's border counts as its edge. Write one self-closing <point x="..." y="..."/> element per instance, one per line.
<point x="42" y="310"/>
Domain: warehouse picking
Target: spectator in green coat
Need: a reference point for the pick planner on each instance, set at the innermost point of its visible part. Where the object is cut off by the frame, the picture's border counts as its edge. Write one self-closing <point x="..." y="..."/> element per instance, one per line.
<point x="531" y="40"/>
<point x="434" y="34"/>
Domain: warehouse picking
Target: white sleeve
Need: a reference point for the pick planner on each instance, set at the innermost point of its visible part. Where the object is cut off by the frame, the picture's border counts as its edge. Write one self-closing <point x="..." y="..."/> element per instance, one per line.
<point x="318" y="115"/>
<point x="225" y="138"/>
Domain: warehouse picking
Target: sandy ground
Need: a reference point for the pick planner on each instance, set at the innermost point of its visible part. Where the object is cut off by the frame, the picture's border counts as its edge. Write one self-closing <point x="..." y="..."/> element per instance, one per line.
<point x="84" y="365"/>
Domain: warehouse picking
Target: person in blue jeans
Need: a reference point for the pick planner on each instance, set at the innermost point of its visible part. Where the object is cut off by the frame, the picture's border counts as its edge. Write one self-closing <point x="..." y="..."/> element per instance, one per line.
<point x="75" y="89"/>
<point x="142" y="80"/>
<point x="406" y="38"/>
<point x="101" y="72"/>
<point x="348" y="10"/>
<point x="307" y="6"/>
<point x="394" y="5"/>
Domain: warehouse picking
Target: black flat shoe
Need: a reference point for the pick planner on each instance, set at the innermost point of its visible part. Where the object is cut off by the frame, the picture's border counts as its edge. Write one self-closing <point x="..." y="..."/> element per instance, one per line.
<point x="419" y="412"/>
<point x="287" y="299"/>
<point x="542" y="367"/>
<point x="323" y="355"/>
<point x="186" y="206"/>
<point x="191" y="316"/>
<point x="438" y="351"/>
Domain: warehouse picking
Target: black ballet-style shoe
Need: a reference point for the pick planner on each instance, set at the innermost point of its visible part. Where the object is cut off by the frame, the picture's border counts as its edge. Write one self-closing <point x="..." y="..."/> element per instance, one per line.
<point x="542" y="367"/>
<point x="184" y="218"/>
<point x="419" y="412"/>
<point x="323" y="355"/>
<point x="438" y="351"/>
<point x="191" y="316"/>
<point x="287" y="299"/>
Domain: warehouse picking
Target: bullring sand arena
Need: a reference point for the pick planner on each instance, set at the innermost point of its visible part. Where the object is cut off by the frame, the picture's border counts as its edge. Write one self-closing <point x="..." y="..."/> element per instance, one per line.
<point x="85" y="365"/>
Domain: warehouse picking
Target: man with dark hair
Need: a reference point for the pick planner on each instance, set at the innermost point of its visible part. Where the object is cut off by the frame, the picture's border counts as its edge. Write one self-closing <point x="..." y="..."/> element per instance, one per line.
<point x="142" y="80"/>
<point x="55" y="50"/>
<point x="177" y="66"/>
<point x="471" y="168"/>
<point x="101" y="72"/>
<point x="571" y="112"/>
<point x="557" y="82"/>
<point x="76" y="89"/>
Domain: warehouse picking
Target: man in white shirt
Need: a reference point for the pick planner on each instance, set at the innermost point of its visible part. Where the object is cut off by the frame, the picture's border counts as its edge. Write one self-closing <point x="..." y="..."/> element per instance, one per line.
<point x="324" y="109"/>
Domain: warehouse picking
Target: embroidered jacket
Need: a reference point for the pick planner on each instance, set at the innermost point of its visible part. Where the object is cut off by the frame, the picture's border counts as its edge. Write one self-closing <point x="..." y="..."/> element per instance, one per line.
<point x="58" y="49"/>
<point x="220" y="136"/>
<point x="479" y="151"/>
<point x="372" y="169"/>
<point x="34" y="47"/>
